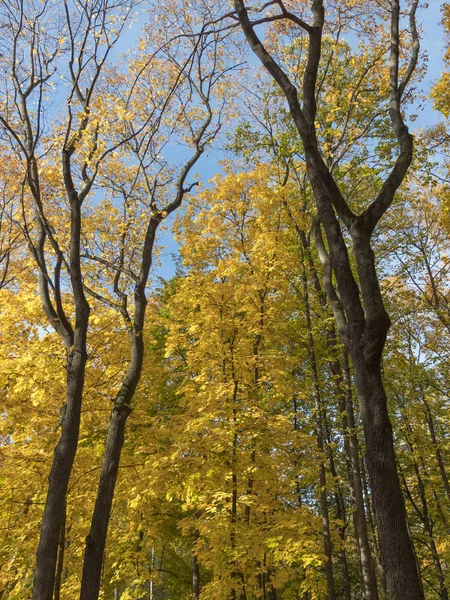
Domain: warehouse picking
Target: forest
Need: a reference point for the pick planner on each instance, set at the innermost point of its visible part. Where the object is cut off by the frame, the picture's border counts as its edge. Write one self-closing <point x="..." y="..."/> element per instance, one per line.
<point x="224" y="300"/>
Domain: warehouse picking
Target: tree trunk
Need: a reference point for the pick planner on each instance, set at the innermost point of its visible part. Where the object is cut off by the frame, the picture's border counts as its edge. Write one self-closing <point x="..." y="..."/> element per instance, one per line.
<point x="63" y="457"/>
<point x="359" y="311"/>
<point x="396" y="548"/>
<point x="351" y="446"/>
<point x="75" y="343"/>
<point x="440" y="462"/>
<point x="340" y="515"/>
<point x="373" y="534"/>
<point x="327" y="545"/>
<point x="96" y="540"/>
<point x="341" y="372"/>
<point x="195" y="577"/>
<point x="423" y="512"/>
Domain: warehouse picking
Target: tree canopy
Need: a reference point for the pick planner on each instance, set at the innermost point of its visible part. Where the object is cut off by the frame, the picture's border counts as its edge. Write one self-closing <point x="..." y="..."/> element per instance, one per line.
<point x="269" y="419"/>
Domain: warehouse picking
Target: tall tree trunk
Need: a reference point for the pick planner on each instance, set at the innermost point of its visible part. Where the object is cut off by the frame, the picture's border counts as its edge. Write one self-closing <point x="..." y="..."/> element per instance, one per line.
<point x="327" y="545"/>
<point x="351" y="446"/>
<point x="75" y="340"/>
<point x="439" y="459"/>
<point x="341" y="372"/>
<point x="395" y="545"/>
<point x="373" y="534"/>
<point x="96" y="540"/>
<point x="195" y="577"/>
<point x="63" y="458"/>
<point x="359" y="311"/>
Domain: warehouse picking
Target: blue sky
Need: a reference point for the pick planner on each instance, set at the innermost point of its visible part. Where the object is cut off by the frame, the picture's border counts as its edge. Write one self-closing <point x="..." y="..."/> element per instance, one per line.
<point x="432" y="43"/>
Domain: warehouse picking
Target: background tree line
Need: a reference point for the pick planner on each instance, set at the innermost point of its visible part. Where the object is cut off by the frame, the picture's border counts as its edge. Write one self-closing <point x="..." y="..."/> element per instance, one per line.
<point x="280" y="444"/>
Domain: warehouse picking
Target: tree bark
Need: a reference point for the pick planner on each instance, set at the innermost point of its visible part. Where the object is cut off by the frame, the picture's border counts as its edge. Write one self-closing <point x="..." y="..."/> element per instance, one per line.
<point x="63" y="457"/>
<point x="96" y="540"/>
<point x="395" y="545"/>
<point x="351" y="446"/>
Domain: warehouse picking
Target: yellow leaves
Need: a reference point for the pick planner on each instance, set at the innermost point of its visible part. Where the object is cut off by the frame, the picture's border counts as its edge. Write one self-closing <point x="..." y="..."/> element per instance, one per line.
<point x="134" y="503"/>
<point x="441" y="95"/>
<point x="440" y="92"/>
<point x="233" y="436"/>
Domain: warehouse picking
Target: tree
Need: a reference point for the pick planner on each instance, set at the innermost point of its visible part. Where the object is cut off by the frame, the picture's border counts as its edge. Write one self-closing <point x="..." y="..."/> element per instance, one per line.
<point x="241" y="475"/>
<point x="197" y="71"/>
<point x="110" y="121"/>
<point x="359" y="309"/>
<point x="242" y="462"/>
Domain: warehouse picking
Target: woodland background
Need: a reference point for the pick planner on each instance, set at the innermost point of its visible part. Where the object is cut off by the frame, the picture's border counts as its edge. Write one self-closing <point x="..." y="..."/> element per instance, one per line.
<point x="212" y="433"/>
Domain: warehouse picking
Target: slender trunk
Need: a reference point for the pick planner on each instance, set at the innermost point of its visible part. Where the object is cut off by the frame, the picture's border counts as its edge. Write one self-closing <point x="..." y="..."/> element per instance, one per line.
<point x="327" y="545"/>
<point x="340" y="515"/>
<point x="438" y="568"/>
<point x="428" y="527"/>
<point x="234" y="491"/>
<point x="423" y="512"/>
<point x="272" y="590"/>
<point x="233" y="533"/>
<point x="351" y="447"/>
<point x="243" y="594"/>
<point x="96" y="540"/>
<point x="195" y="577"/>
<point x="440" y="462"/>
<point x="346" y="587"/>
<point x="139" y="547"/>
<point x="441" y="513"/>
<point x="372" y="531"/>
<point x="341" y="372"/>
<point x="152" y="566"/>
